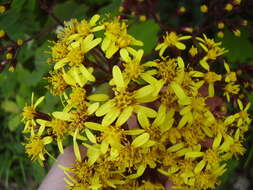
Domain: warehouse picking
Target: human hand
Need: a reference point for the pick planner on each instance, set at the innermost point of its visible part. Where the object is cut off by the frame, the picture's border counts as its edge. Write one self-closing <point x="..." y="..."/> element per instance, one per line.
<point x="55" y="177"/>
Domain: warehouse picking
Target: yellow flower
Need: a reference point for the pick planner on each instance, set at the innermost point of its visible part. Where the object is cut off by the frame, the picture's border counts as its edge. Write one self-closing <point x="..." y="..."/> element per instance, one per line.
<point x="35" y="147"/>
<point x="242" y="117"/>
<point x="57" y="84"/>
<point x="117" y="39"/>
<point x="230" y="76"/>
<point x="170" y="40"/>
<point x="58" y="51"/>
<point x="29" y="113"/>
<point x="77" y="50"/>
<point x="193" y="51"/>
<point x="78" y="76"/>
<point x="110" y="135"/>
<point x="134" y="70"/>
<point x="231" y="88"/>
<point x="204" y="8"/>
<point x="84" y="28"/>
<point x="229" y="7"/>
<point x="209" y="77"/>
<point x="2" y="9"/>
<point x="124" y="102"/>
<point x="2" y="33"/>
<point x="57" y="127"/>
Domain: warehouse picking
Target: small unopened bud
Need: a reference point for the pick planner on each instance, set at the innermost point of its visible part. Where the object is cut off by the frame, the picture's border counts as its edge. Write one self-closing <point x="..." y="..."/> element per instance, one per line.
<point x="221" y="25"/>
<point x="204" y="8"/>
<point x="241" y="96"/>
<point x="239" y="72"/>
<point x="20" y="42"/>
<point x="193" y="51"/>
<point x="220" y="34"/>
<point x="2" y="33"/>
<point x="2" y="9"/>
<point x="187" y="29"/>
<point x="182" y="10"/>
<point x="121" y="8"/>
<point x="237" y="32"/>
<point x="237" y="2"/>
<point x="142" y="18"/>
<point x="229" y="7"/>
<point x="9" y="56"/>
<point x="11" y="69"/>
<point x="244" y="22"/>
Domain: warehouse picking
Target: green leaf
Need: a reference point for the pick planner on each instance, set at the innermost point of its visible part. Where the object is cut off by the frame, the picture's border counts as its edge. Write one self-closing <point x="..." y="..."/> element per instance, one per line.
<point x="17" y="4"/>
<point x="14" y="122"/>
<point x="9" y="106"/>
<point x="240" y="48"/>
<point x="111" y="9"/>
<point x="147" y="33"/>
<point x="70" y="9"/>
<point x="38" y="172"/>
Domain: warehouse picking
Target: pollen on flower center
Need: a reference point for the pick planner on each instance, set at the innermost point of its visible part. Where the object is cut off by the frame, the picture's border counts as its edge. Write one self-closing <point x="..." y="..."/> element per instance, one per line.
<point x="75" y="57"/>
<point x="198" y="103"/>
<point x="79" y="117"/>
<point x="123" y="99"/>
<point x="35" y="147"/>
<point x="167" y="69"/>
<point x="77" y="96"/>
<point x="83" y="28"/>
<point x="171" y="38"/>
<point x="59" y="127"/>
<point x="211" y="156"/>
<point x="59" y="50"/>
<point x="124" y="41"/>
<point x="133" y="70"/>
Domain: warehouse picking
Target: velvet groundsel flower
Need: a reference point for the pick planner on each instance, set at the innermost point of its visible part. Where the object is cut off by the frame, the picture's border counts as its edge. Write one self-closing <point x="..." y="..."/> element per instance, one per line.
<point x="141" y="122"/>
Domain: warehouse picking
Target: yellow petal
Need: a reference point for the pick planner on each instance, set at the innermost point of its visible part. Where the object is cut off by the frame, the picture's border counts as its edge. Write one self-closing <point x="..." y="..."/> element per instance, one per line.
<point x="144" y="91"/>
<point x="124" y="116"/>
<point x="134" y="132"/>
<point x="147" y="111"/>
<point x="98" y="97"/>
<point x="94" y="126"/>
<point x="199" y="167"/>
<point x="118" y="77"/>
<point x="194" y="154"/>
<point x="92" y="108"/>
<point x="178" y="91"/>
<point x="176" y="147"/>
<point x="76" y="147"/>
<point x="110" y="117"/>
<point x="161" y="115"/>
<point x="39" y="101"/>
<point x="90" y="136"/>
<point x="47" y="140"/>
<point x="60" y="147"/>
<point x="62" y="115"/>
<point x="140" y="140"/>
<point x="104" y="146"/>
<point x="104" y="109"/>
<point x="143" y="120"/>
<point x="217" y="141"/>
<point x="124" y="55"/>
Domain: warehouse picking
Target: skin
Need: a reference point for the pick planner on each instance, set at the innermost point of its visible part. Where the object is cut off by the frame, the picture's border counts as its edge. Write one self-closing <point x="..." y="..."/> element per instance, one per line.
<point x="55" y="177"/>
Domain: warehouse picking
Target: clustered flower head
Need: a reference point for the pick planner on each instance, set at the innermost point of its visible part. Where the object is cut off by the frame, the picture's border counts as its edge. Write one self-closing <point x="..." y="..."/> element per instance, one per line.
<point x="152" y="119"/>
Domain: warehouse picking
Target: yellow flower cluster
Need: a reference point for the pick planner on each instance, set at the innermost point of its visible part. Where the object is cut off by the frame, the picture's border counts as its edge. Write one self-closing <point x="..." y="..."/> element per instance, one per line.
<point x="155" y="118"/>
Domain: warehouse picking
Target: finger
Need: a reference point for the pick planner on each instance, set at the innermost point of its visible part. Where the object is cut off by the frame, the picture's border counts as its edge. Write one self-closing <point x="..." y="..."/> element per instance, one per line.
<point x="55" y="177"/>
